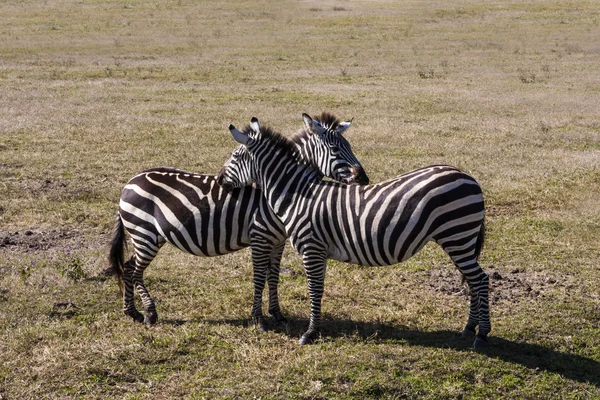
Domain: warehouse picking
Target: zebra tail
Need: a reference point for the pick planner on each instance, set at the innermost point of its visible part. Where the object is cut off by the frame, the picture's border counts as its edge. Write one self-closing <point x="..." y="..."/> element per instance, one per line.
<point x="117" y="248"/>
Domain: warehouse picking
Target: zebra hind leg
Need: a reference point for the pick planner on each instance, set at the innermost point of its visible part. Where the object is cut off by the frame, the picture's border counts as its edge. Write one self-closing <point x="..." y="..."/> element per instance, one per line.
<point x="128" y="300"/>
<point x="273" y="280"/>
<point x="485" y="326"/>
<point x="470" y="330"/>
<point x="464" y="252"/>
<point x="479" y="315"/>
<point x="143" y="257"/>
<point x="151" y="316"/>
<point x="138" y="279"/>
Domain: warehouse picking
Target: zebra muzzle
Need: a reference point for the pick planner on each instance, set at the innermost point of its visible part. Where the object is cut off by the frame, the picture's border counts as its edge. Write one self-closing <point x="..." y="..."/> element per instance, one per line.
<point x="359" y="176"/>
<point x="221" y="181"/>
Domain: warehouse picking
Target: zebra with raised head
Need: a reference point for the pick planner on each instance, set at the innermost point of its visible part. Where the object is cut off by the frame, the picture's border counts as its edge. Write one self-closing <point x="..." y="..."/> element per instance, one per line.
<point x="193" y="213"/>
<point x="379" y="224"/>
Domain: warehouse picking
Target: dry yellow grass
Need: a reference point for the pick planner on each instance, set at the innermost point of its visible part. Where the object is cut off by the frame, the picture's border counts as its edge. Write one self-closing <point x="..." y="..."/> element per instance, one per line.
<point x="93" y="92"/>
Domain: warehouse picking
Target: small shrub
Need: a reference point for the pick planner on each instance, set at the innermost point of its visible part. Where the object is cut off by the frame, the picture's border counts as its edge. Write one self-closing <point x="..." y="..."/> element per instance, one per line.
<point x="72" y="269"/>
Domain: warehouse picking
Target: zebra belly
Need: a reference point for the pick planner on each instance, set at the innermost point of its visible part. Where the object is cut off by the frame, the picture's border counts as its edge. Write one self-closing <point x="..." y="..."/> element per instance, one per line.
<point x="340" y="254"/>
<point x="202" y="250"/>
<point x="356" y="256"/>
<point x="388" y="245"/>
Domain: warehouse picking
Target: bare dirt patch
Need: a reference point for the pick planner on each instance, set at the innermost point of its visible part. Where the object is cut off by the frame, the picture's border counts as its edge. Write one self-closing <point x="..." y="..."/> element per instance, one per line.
<point x="56" y="239"/>
<point x="507" y="284"/>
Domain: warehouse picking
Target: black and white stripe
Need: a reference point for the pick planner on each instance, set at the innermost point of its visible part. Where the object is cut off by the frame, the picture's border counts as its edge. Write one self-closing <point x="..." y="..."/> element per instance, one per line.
<point x="379" y="224"/>
<point x="193" y="213"/>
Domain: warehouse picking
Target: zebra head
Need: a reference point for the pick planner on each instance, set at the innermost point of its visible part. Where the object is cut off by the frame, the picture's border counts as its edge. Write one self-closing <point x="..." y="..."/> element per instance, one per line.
<point x="322" y="143"/>
<point x="237" y="171"/>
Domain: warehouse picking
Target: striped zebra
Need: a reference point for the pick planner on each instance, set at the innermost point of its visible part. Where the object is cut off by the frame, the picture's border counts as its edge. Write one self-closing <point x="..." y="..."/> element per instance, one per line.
<point x="379" y="224"/>
<point x="193" y="213"/>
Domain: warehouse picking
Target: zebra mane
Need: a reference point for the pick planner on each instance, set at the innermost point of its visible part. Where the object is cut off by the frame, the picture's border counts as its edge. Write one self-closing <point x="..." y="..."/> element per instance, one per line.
<point x="327" y="120"/>
<point x="282" y="144"/>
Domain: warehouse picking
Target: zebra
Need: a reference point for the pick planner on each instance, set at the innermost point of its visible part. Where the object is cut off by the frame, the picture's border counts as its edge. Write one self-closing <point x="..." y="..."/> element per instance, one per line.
<point x="193" y="213"/>
<point x="379" y="224"/>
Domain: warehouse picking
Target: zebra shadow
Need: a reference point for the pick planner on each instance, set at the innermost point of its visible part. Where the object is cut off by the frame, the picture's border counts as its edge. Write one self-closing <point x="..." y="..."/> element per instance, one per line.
<point x="532" y="356"/>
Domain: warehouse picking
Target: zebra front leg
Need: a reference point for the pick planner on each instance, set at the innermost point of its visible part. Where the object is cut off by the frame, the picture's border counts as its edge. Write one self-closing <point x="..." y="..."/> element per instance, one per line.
<point x="314" y="264"/>
<point x="128" y="300"/>
<point x="261" y="258"/>
<point x="138" y="280"/>
<point x="273" y="280"/>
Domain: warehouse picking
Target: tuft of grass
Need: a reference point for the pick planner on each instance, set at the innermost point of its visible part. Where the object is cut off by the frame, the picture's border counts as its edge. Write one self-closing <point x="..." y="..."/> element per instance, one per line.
<point x="527" y="77"/>
<point x="426" y="73"/>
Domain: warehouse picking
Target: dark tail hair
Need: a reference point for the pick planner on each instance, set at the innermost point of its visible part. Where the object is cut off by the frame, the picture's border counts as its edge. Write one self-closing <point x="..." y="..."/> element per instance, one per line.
<point x="480" y="240"/>
<point x="117" y="249"/>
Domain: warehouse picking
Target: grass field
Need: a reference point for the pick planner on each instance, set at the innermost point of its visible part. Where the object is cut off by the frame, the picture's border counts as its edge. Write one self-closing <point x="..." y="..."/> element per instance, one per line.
<point x="93" y="92"/>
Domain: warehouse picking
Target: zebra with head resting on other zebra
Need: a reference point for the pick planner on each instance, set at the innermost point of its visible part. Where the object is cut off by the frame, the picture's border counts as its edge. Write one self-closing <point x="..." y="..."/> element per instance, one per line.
<point x="379" y="224"/>
<point x="193" y="213"/>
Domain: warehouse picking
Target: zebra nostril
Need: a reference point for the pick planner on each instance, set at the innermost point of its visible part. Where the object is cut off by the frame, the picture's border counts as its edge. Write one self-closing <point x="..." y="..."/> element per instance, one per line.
<point x="220" y="180"/>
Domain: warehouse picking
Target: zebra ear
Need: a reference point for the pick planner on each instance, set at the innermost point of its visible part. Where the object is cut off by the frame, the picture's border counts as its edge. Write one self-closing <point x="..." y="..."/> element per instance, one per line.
<point x="307" y="121"/>
<point x="313" y="126"/>
<point x="254" y="125"/>
<point x="341" y="128"/>
<point x="238" y="135"/>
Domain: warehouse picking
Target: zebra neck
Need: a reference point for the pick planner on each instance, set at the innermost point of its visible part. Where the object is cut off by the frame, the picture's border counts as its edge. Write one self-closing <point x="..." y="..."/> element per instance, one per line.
<point x="304" y="146"/>
<point x="283" y="186"/>
<point x="308" y="151"/>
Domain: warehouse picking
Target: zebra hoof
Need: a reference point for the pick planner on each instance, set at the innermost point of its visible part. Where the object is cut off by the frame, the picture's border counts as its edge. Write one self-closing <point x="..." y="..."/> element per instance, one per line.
<point x="261" y="325"/>
<point x="280" y="320"/>
<point x="259" y="322"/>
<point x="467" y="333"/>
<point x="305" y="340"/>
<point x="308" y="338"/>
<point x="480" y="343"/>
<point x="151" y="318"/>
<point x="136" y="315"/>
